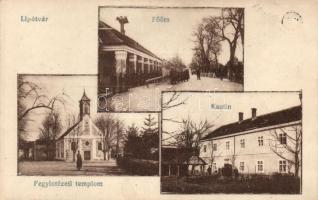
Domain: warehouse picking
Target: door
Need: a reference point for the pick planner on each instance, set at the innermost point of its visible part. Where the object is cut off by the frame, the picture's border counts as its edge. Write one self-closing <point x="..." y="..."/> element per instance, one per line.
<point x="87" y="155"/>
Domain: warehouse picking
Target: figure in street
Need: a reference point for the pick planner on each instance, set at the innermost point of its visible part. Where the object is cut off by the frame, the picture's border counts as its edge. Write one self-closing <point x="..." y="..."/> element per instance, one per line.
<point x="198" y="74"/>
<point x="209" y="170"/>
<point x="79" y="161"/>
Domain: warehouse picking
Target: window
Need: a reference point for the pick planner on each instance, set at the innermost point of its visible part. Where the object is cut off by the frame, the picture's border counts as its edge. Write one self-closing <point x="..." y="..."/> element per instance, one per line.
<point x="204" y="148"/>
<point x="227" y="145"/>
<point x="215" y="147"/>
<point x="282" y="166"/>
<point x="242" y="141"/>
<point x="99" y="146"/>
<point x="260" y="166"/>
<point x="282" y="138"/>
<point x="260" y="141"/>
<point x="86" y="143"/>
<point x="241" y="166"/>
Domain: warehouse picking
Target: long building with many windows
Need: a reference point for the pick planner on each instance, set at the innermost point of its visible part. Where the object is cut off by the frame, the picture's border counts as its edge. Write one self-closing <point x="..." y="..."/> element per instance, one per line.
<point x="123" y="63"/>
<point x="265" y="144"/>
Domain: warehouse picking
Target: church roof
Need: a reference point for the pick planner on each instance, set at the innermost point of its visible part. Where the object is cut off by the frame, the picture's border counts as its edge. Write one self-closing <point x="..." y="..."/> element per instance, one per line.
<point x="275" y="118"/>
<point x="68" y="130"/>
<point x="84" y="97"/>
<point x="109" y="36"/>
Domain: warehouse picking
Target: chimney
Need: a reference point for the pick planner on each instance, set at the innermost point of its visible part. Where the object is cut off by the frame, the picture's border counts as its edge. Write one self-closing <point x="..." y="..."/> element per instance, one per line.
<point x="240" y="116"/>
<point x="122" y="21"/>
<point x="253" y="113"/>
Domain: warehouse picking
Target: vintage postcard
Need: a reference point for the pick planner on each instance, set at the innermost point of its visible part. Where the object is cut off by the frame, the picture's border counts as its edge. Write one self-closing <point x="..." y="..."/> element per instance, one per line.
<point x="158" y="99"/>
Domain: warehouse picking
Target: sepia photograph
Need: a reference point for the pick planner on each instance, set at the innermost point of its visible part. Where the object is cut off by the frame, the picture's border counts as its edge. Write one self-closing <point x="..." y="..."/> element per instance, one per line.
<point x="231" y="142"/>
<point x="60" y="132"/>
<point x="145" y="50"/>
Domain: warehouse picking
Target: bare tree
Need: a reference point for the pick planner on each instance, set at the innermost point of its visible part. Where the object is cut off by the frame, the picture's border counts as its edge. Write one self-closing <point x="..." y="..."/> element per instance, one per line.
<point x="30" y="98"/>
<point x="119" y="136"/>
<point x="172" y="101"/>
<point x="190" y="134"/>
<point x="73" y="122"/>
<point x="288" y="141"/>
<point x="207" y="43"/>
<point x="108" y="125"/>
<point x="230" y="28"/>
<point x="51" y="128"/>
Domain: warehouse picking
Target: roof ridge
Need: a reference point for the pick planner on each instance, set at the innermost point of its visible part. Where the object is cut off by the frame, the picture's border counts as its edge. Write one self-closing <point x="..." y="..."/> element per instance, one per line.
<point x="69" y="130"/>
<point x="243" y="122"/>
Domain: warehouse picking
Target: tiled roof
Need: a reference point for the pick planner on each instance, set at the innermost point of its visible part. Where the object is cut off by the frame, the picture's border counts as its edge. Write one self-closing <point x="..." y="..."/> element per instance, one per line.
<point x="275" y="118"/>
<point x="109" y="36"/>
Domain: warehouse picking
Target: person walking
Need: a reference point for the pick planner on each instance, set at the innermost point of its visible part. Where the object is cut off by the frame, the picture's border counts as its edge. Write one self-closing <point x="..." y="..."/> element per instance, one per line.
<point x="79" y="161"/>
<point x="198" y="74"/>
<point x="209" y="170"/>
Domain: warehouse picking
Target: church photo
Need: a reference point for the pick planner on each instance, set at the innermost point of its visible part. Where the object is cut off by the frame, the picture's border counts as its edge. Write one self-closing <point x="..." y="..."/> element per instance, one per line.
<point x="61" y="133"/>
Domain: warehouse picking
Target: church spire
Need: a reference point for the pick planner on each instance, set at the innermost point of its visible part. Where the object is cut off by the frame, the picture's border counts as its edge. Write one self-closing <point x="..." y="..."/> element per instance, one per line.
<point x="84" y="104"/>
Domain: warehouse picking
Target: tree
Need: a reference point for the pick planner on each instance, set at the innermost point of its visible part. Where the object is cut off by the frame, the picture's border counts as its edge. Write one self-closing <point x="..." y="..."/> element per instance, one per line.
<point x="119" y="136"/>
<point x="288" y="141"/>
<point x="107" y="125"/>
<point x="150" y="136"/>
<point x="207" y="44"/>
<point x="31" y="98"/>
<point x="51" y="128"/>
<point x="133" y="145"/>
<point x="229" y="27"/>
<point x="74" y="140"/>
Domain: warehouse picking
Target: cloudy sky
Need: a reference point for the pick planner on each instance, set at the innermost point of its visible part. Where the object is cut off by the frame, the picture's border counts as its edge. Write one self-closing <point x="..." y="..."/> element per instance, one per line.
<point x="165" y="39"/>
<point x="73" y="86"/>
<point x="198" y="106"/>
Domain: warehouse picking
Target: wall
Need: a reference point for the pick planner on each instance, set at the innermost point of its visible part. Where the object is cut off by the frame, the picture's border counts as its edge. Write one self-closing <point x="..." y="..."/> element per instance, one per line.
<point x="252" y="152"/>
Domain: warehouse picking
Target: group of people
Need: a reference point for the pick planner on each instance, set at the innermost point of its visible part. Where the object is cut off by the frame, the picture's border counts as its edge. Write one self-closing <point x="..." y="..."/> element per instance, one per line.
<point x="179" y="76"/>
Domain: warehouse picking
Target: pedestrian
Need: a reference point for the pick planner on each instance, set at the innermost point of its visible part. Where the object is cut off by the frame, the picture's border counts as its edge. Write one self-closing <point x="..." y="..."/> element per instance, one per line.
<point x="236" y="173"/>
<point x="79" y="161"/>
<point x="209" y="170"/>
<point x="198" y="74"/>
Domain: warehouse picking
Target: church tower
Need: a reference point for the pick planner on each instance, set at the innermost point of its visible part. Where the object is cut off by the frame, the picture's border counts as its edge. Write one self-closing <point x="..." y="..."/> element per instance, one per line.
<point x="84" y="104"/>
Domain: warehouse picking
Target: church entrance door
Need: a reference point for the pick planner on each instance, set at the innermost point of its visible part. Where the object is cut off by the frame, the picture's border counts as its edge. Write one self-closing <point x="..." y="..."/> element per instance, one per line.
<point x="87" y="155"/>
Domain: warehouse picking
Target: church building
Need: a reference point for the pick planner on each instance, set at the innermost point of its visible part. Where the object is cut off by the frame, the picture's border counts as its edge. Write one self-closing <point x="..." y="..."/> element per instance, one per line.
<point x="83" y="136"/>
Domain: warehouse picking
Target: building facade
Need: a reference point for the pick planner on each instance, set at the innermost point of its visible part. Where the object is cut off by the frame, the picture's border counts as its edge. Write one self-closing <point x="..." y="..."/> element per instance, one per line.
<point x="265" y="144"/>
<point x="123" y="62"/>
<point x="83" y="136"/>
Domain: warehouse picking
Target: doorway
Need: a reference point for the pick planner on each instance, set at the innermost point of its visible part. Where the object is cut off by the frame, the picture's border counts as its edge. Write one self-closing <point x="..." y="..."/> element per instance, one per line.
<point x="87" y="155"/>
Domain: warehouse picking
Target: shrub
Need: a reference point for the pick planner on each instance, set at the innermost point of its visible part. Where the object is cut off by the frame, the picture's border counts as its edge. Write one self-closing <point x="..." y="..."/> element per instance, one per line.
<point x="139" y="166"/>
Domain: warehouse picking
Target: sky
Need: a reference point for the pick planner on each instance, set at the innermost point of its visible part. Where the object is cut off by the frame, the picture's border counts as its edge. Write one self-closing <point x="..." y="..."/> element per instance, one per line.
<point x="165" y="39"/>
<point x="198" y="107"/>
<point x="74" y="87"/>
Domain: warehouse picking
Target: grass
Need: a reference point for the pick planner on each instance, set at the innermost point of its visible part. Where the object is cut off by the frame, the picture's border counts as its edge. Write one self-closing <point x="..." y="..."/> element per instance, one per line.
<point x="210" y="184"/>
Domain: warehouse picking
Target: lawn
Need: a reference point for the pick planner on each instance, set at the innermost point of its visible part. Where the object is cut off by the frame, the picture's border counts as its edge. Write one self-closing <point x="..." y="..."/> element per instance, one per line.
<point x="206" y="184"/>
<point x="53" y="168"/>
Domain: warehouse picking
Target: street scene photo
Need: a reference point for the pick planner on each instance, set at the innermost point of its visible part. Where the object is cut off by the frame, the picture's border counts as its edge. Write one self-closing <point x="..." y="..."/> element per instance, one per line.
<point x="143" y="51"/>
<point x="225" y="142"/>
<point x="61" y="133"/>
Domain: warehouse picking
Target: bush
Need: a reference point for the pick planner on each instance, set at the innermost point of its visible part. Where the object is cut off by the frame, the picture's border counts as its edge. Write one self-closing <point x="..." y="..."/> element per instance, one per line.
<point x="139" y="166"/>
